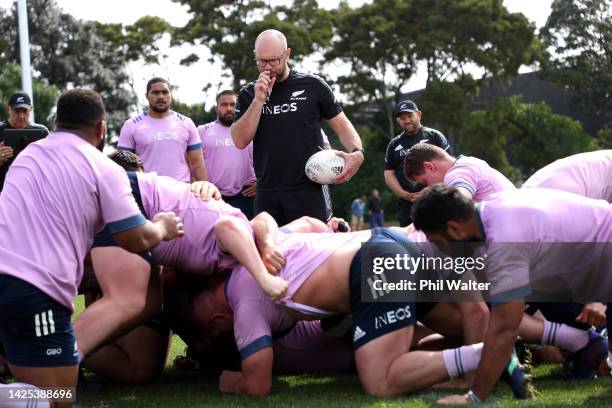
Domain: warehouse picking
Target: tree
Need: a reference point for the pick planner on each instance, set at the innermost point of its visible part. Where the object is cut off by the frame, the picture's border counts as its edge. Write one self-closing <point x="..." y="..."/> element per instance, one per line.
<point x="229" y="29"/>
<point x="372" y="40"/>
<point x="137" y="41"/>
<point x="604" y="137"/>
<point x="45" y="95"/>
<point x="445" y="105"/>
<point x="519" y="138"/>
<point x="457" y="35"/>
<point x="384" y="41"/>
<point x="578" y="34"/>
<point x="194" y="112"/>
<point x="68" y="52"/>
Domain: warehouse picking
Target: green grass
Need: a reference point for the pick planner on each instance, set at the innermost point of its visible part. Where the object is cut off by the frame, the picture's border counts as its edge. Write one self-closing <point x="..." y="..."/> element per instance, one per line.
<point x="190" y="389"/>
<point x="176" y="389"/>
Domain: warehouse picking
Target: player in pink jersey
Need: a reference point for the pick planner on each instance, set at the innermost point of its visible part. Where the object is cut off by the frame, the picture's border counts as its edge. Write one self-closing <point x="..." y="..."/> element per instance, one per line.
<point x="587" y="174"/>
<point x="229" y="168"/>
<point x="166" y="141"/>
<point x="324" y="275"/>
<point x="217" y="236"/>
<point x="140" y="354"/>
<point x="429" y="164"/>
<point x="477" y="180"/>
<point x="59" y="192"/>
<point x="540" y="243"/>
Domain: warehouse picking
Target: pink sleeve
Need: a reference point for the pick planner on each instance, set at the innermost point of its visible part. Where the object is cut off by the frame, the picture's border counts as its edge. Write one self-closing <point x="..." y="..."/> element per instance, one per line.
<point x="126" y="137"/>
<point x="462" y="177"/>
<point x="251" y="330"/>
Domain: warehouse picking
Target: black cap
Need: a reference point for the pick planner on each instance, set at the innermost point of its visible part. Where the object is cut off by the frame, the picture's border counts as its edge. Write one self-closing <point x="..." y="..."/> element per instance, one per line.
<point x="20" y="100"/>
<point x="406" y="106"/>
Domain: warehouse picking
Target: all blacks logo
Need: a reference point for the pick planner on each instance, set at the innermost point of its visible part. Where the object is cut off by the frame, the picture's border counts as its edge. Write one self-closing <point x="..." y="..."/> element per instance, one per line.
<point x="278" y="109"/>
<point x="392" y="316"/>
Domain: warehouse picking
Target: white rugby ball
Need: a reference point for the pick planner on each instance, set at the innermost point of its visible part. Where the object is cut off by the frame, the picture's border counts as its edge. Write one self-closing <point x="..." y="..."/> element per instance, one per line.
<point x="323" y="167"/>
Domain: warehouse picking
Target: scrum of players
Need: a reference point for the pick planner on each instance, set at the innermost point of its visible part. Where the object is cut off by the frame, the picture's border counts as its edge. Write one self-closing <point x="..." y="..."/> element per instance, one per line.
<point x="155" y="255"/>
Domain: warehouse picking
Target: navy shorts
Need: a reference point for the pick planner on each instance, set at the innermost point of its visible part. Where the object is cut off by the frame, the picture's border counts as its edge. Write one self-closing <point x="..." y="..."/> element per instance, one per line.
<point x="35" y="329"/>
<point x="104" y="238"/>
<point x="372" y="320"/>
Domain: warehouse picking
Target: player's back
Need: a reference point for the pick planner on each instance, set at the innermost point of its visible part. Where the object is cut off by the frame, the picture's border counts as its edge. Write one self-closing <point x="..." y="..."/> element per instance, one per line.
<point x="543" y="215"/>
<point x="197" y="251"/>
<point x="50" y="209"/>
<point x="555" y="243"/>
<point x="305" y="253"/>
<point x="478" y="177"/>
<point x="587" y="174"/>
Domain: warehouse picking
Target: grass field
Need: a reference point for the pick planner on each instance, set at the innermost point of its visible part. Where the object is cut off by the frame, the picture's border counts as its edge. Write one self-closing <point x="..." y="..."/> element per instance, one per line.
<point x="189" y="389"/>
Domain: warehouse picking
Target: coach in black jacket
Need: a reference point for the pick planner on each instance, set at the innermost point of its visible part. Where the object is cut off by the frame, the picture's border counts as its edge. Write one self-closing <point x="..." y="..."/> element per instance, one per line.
<point x="19" y="109"/>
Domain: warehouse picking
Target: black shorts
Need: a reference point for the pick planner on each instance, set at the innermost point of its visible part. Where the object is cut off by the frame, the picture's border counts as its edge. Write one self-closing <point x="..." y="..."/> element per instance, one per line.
<point x="36" y="330"/>
<point x="287" y="206"/>
<point x="243" y="203"/>
<point x="104" y="238"/>
<point x="405" y="213"/>
<point x="160" y="323"/>
<point x="372" y="320"/>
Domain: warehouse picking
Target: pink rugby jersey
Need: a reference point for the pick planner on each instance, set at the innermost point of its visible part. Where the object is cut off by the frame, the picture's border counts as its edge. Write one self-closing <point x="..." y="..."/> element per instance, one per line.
<point x="539" y="234"/>
<point x="161" y="143"/>
<point x="197" y="251"/>
<point x="477" y="177"/>
<point x="256" y="317"/>
<point x="228" y="167"/>
<point x="587" y="174"/>
<point x="58" y="194"/>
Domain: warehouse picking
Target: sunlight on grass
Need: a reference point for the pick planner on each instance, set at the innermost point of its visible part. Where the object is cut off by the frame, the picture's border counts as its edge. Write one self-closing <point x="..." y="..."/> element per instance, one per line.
<point x="294" y="381"/>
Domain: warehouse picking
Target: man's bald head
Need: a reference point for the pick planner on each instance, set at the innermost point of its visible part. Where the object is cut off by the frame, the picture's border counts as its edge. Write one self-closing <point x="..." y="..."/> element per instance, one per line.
<point x="271" y="38"/>
<point x="272" y="54"/>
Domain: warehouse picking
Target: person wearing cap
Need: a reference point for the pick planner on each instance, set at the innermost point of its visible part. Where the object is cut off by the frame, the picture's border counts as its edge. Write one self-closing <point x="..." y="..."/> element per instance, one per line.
<point x="19" y="108"/>
<point x="408" y="117"/>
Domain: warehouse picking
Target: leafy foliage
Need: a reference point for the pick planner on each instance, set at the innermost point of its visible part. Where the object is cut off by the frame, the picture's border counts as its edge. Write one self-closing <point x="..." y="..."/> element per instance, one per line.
<point x="229" y="29"/>
<point x="44" y="95"/>
<point x="578" y="34"/>
<point x="519" y="138"/>
<point x="68" y="52"/>
<point x="385" y="40"/>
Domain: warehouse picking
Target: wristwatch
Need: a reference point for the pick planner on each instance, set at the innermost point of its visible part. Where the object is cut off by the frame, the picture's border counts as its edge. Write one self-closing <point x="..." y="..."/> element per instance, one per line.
<point x="359" y="149"/>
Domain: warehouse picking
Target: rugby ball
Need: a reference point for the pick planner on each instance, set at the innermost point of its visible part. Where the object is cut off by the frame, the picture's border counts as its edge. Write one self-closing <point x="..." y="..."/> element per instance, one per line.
<point x="323" y="167"/>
